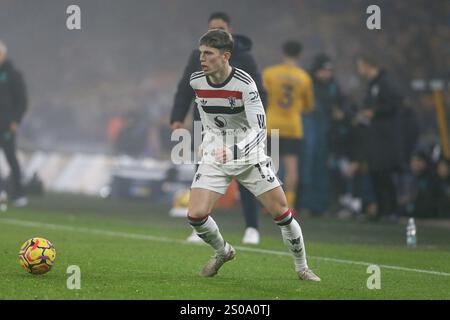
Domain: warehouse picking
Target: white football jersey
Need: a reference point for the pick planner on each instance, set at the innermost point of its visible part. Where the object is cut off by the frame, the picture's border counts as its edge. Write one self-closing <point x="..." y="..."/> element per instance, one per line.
<point x="232" y="116"/>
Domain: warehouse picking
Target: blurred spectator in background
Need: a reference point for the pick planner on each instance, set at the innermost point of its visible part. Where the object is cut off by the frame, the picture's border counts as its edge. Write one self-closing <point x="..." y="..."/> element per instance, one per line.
<point x="132" y="137"/>
<point x="443" y="188"/>
<point x="350" y="183"/>
<point x="423" y="200"/>
<point x="289" y="92"/>
<point x="13" y="104"/>
<point x="242" y="59"/>
<point x="407" y="136"/>
<point x="379" y="113"/>
<point x="115" y="125"/>
<point x="315" y="193"/>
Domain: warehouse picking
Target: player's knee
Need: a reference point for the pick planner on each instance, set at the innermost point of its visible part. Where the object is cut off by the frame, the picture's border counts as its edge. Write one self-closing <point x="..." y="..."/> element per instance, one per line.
<point x="195" y="220"/>
<point x="281" y="205"/>
<point x="278" y="208"/>
<point x="197" y="213"/>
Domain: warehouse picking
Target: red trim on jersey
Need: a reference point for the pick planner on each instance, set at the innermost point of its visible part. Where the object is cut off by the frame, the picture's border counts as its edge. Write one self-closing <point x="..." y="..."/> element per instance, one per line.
<point x="224" y="94"/>
<point x="284" y="215"/>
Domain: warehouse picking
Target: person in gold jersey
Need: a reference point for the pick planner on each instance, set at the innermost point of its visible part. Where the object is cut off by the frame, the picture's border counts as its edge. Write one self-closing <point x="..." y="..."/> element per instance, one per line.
<point x="289" y="94"/>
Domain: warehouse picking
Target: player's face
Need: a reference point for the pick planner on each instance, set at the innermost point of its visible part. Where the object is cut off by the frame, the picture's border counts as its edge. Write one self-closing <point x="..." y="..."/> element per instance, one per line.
<point x="219" y="24"/>
<point x="212" y="60"/>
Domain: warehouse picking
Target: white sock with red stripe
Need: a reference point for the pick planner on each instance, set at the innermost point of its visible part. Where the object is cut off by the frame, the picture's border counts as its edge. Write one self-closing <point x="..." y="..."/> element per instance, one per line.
<point x="293" y="238"/>
<point x="207" y="229"/>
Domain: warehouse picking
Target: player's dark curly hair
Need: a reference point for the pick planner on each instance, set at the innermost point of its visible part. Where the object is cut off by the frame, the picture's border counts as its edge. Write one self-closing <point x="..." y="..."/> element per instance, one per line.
<point x="219" y="39"/>
<point x="292" y="48"/>
<point x="220" y="15"/>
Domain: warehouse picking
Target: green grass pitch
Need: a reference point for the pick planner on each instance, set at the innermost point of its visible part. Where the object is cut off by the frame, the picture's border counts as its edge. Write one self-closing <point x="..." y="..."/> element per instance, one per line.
<point x="129" y="250"/>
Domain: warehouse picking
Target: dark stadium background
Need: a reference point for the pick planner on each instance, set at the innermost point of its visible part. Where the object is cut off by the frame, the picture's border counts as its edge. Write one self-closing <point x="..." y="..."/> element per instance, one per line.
<point x="126" y="61"/>
<point x="130" y="54"/>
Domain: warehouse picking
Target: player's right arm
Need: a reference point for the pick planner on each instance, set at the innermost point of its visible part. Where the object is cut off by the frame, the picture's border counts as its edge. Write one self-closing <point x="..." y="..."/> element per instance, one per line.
<point x="184" y="94"/>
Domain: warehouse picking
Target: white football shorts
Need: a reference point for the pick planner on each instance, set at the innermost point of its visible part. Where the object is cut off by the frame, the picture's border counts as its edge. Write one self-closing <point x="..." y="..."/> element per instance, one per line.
<point x="257" y="178"/>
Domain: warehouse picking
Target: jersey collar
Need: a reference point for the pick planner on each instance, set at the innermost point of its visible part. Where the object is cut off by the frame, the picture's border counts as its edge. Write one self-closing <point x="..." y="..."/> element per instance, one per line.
<point x="223" y="84"/>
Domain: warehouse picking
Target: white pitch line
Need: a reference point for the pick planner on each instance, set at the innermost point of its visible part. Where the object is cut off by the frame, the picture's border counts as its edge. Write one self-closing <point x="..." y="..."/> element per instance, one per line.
<point x="361" y="263"/>
<point x="171" y="240"/>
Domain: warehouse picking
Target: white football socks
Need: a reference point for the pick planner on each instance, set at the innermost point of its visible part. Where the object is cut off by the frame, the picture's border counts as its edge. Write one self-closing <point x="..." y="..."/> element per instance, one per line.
<point x="208" y="230"/>
<point x="293" y="238"/>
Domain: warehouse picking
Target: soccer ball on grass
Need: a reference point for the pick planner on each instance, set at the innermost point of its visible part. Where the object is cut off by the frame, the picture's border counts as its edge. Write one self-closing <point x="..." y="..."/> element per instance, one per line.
<point x="37" y="255"/>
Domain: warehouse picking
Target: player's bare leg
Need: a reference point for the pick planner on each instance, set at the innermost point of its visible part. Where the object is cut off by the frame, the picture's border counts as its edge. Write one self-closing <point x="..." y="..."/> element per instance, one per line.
<point x="275" y="202"/>
<point x="201" y="203"/>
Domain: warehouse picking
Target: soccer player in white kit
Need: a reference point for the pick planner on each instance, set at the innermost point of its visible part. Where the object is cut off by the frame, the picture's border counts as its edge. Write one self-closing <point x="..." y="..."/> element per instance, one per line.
<point x="234" y="124"/>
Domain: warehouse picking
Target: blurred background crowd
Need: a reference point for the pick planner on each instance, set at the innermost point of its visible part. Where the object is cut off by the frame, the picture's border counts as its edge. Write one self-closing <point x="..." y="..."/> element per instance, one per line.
<point x="109" y="88"/>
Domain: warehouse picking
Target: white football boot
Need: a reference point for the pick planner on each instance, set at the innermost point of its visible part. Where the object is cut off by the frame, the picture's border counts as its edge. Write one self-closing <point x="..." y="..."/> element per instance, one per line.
<point x="307" y="274"/>
<point x="217" y="261"/>
<point x="251" y="236"/>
